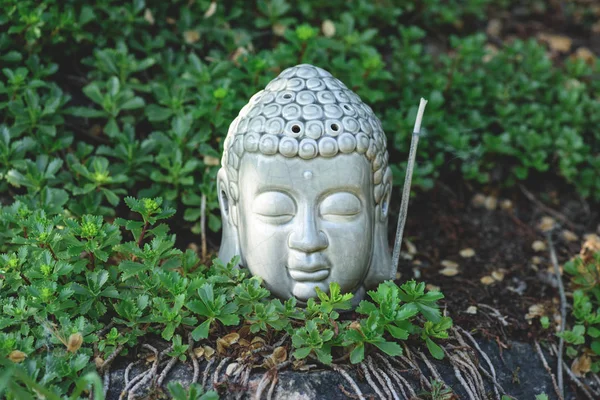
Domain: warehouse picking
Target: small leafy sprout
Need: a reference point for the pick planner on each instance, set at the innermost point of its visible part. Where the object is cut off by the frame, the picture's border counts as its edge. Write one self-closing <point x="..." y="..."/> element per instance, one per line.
<point x="212" y="307"/>
<point x="310" y="339"/>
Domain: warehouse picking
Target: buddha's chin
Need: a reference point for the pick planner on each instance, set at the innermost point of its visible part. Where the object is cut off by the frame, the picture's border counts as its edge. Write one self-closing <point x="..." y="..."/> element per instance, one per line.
<point x="305" y="290"/>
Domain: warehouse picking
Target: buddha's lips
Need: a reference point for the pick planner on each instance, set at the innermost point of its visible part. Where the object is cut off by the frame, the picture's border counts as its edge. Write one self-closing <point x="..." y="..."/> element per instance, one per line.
<point x="309" y="274"/>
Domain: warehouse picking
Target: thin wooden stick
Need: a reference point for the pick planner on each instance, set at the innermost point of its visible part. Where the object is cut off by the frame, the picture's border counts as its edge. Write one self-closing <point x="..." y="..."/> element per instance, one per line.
<point x="548" y="369"/>
<point x="563" y="314"/>
<point x="406" y="189"/>
<point x="203" y="226"/>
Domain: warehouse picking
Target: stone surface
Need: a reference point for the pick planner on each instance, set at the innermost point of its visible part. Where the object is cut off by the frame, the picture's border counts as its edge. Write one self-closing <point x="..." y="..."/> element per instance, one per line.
<point x="518" y="370"/>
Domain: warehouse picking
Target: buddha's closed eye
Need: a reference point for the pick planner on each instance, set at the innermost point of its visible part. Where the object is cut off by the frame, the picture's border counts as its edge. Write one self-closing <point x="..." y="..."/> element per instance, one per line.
<point x="275" y="207"/>
<point x="341" y="204"/>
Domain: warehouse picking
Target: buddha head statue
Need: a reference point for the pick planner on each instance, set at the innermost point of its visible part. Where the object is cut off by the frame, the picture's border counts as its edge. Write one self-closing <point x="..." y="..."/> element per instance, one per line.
<point x="304" y="188"/>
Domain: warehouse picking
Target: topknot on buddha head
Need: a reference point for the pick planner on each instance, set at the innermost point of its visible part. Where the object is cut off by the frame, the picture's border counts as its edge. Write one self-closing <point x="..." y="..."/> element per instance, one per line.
<point x="305" y="112"/>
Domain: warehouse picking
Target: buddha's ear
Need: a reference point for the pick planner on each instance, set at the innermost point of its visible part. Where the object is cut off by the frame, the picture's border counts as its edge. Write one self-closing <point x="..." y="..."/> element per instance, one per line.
<point x="230" y="246"/>
<point x="387" y="195"/>
<point x="381" y="268"/>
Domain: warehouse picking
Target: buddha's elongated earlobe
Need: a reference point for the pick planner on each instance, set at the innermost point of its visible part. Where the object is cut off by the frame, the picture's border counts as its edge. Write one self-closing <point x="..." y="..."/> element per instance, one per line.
<point x="230" y="246"/>
<point x="381" y="261"/>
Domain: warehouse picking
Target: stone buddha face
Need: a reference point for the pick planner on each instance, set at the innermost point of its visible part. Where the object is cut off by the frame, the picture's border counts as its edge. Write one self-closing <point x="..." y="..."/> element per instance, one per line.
<point x="304" y="188"/>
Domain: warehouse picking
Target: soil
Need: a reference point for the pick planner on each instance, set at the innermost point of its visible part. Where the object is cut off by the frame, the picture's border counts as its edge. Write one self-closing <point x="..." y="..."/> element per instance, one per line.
<point x="448" y="219"/>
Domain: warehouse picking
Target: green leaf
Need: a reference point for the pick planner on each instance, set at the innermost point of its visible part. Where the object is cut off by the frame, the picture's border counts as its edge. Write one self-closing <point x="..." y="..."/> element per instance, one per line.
<point x="357" y="354"/>
<point x="302" y="352"/>
<point x="201" y="332"/>
<point x="435" y="350"/>
<point x="389" y="348"/>
<point x="324" y="356"/>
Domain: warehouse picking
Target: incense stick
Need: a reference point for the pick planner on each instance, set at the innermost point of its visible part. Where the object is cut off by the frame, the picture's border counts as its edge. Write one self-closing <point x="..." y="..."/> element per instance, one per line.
<point x="406" y="189"/>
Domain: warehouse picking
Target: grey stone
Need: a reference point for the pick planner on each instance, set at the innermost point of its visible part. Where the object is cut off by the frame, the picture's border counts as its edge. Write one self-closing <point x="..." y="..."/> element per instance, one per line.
<point x="519" y="371"/>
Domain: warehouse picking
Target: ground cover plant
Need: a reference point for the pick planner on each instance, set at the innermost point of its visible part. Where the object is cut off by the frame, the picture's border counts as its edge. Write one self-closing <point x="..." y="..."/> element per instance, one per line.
<point x="77" y="292"/>
<point x="103" y="101"/>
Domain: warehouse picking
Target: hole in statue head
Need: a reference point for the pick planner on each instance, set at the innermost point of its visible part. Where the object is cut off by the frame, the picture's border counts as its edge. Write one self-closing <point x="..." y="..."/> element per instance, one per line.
<point x="295" y="129"/>
<point x="347" y="107"/>
<point x="335" y="127"/>
<point x="287" y="96"/>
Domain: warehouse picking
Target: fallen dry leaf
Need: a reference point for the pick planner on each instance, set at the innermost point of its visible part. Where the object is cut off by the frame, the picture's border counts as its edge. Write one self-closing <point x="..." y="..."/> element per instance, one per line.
<point x="471" y="310"/>
<point x="498" y="275"/>
<point x="17" y="356"/>
<point x="538" y="245"/>
<point x="478" y="200"/>
<point x="506" y="205"/>
<point x="74" y="343"/>
<point x="412" y="249"/>
<point x="226" y="341"/>
<point x="467" y="253"/>
<point x="240" y="51"/>
<point x="208" y="352"/>
<point x="449" y="271"/>
<point x="398" y="275"/>
<point x="328" y="28"/>
<point x="171" y="21"/>
<point x="449" y="264"/>
<point x="569" y="236"/>
<point x="491" y="202"/>
<point x="99" y="362"/>
<point x="211" y="10"/>
<point x="279" y="29"/>
<point x="148" y="16"/>
<point x="432" y="288"/>
<point x="490" y="53"/>
<point x="546" y="224"/>
<point x="581" y="365"/>
<point x="199" y="352"/>
<point x="191" y="37"/>
<point x="536" y="310"/>
<point x="279" y="355"/>
<point x="558" y="43"/>
<point x="211" y="161"/>
<point x="494" y="27"/>
<point x="586" y="55"/>
<point x="590" y="247"/>
<point x="487" y="280"/>
<point x="536" y="260"/>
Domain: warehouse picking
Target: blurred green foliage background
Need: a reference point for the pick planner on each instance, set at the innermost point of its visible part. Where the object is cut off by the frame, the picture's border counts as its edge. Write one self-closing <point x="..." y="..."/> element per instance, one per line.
<point x="103" y="99"/>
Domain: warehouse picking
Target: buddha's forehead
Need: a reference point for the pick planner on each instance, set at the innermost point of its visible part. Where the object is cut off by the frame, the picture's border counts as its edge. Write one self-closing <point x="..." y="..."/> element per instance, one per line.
<point x="345" y="172"/>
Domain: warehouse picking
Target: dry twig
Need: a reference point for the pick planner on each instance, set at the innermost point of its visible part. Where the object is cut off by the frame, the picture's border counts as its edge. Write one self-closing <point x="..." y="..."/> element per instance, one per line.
<point x="378" y="376"/>
<point x="492" y="373"/>
<point x="194" y="359"/>
<point x="218" y="370"/>
<point x="399" y="379"/>
<point x="548" y="369"/>
<point x="563" y="314"/>
<point x="547" y="209"/>
<point x="165" y="371"/>
<point x="351" y="381"/>
<point x="206" y="372"/>
<point x="370" y="380"/>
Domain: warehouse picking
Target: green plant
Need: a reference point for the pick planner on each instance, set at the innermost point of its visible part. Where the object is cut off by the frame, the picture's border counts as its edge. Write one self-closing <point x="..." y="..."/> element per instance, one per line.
<point x="65" y="278"/>
<point x="584" y="335"/>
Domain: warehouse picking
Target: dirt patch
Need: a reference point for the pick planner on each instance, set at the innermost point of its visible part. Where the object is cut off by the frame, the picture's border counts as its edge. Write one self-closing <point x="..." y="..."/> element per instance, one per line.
<point x="500" y="274"/>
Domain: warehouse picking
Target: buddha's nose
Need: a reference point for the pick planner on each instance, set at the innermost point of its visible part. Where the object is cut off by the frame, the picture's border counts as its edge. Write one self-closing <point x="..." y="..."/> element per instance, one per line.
<point x="306" y="236"/>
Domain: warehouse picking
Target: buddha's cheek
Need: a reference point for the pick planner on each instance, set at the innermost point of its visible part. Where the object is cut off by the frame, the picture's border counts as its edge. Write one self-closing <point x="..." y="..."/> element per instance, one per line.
<point x="350" y="248"/>
<point x="266" y="253"/>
